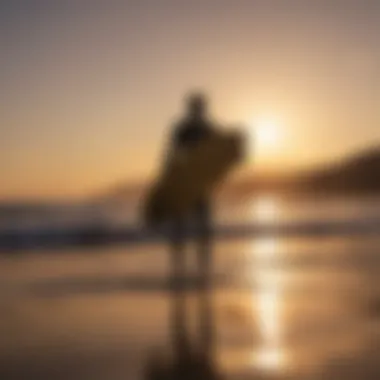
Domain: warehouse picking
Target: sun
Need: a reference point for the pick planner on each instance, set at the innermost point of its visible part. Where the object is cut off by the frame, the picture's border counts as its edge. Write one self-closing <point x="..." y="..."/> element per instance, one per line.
<point x="267" y="133"/>
<point x="265" y="137"/>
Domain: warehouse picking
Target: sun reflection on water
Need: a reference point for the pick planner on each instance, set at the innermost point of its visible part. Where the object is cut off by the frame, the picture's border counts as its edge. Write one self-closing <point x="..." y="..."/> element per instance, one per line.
<point x="270" y="355"/>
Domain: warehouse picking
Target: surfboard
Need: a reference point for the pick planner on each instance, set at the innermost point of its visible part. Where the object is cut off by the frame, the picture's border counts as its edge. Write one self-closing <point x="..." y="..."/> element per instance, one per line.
<point x="192" y="175"/>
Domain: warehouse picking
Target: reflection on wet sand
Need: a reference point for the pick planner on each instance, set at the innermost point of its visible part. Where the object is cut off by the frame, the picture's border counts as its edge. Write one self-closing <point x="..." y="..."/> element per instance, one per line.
<point x="191" y="357"/>
<point x="270" y="354"/>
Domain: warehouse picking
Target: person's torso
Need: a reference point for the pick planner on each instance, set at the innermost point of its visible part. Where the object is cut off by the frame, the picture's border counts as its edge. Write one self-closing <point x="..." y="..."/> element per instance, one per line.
<point x="191" y="131"/>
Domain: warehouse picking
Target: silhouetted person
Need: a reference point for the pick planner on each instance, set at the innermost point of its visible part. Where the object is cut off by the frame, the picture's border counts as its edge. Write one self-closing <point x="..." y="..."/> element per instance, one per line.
<point x="186" y="135"/>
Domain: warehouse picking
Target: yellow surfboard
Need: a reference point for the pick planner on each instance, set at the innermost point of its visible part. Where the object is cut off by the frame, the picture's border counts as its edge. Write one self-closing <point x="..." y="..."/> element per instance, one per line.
<point x="192" y="175"/>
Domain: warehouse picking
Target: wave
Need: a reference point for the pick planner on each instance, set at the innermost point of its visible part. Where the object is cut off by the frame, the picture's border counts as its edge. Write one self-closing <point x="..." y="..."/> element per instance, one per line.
<point x="93" y="234"/>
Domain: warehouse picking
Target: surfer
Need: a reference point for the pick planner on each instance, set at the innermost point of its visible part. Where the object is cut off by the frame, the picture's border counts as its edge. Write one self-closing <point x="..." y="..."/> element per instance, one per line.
<point x="186" y="134"/>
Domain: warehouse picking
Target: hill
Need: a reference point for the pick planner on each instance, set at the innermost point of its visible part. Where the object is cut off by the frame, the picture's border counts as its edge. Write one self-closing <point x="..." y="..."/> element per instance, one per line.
<point x="357" y="174"/>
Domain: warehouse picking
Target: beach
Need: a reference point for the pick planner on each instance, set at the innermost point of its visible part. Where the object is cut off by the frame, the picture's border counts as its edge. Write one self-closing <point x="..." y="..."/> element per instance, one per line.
<point x="299" y="307"/>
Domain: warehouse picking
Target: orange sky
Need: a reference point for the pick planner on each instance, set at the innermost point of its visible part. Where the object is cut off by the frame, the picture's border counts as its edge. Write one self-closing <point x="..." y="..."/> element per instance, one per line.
<point x="88" y="93"/>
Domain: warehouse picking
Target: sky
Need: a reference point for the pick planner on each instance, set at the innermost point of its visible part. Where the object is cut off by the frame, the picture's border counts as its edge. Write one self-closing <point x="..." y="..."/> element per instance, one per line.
<point x="89" y="89"/>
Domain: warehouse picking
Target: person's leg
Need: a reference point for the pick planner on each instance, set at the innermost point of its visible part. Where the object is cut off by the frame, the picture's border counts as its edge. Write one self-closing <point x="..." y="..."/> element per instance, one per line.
<point x="178" y="302"/>
<point x="177" y="253"/>
<point x="205" y="270"/>
<point x="204" y="237"/>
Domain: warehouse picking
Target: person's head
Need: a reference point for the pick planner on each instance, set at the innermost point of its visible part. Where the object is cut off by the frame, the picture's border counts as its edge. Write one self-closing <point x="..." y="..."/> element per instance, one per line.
<point x="196" y="104"/>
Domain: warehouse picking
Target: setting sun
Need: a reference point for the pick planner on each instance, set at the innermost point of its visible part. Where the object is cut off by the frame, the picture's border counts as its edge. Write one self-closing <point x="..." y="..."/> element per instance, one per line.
<point x="267" y="133"/>
<point x="266" y="137"/>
